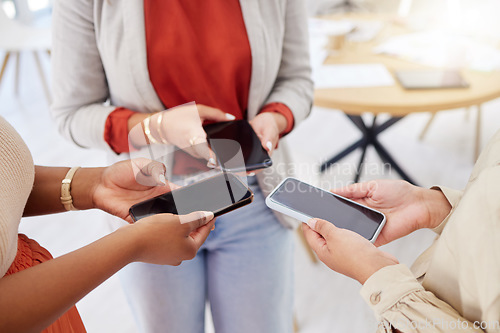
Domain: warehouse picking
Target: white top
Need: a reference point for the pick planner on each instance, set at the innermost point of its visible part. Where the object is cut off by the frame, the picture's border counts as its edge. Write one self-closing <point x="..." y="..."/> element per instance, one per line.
<point x="17" y="174"/>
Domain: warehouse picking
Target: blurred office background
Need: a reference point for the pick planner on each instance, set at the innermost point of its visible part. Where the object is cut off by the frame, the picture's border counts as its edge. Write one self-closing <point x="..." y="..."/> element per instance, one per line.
<point x="325" y="302"/>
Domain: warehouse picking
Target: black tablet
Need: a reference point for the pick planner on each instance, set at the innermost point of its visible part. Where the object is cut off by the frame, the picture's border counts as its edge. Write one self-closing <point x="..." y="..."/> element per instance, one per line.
<point x="431" y="79"/>
<point x="226" y="140"/>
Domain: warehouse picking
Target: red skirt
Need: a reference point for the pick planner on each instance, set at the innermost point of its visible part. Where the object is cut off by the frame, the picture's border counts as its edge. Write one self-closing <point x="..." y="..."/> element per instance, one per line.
<point x="29" y="254"/>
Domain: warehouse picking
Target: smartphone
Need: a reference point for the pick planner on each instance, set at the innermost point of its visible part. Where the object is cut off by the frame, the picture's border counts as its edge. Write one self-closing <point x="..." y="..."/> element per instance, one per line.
<point x="219" y="194"/>
<point x="304" y="201"/>
<point x="227" y="139"/>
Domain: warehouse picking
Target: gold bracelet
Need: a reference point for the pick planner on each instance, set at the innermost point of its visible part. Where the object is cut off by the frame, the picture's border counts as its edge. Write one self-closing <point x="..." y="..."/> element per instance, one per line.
<point x="66" y="198"/>
<point x="158" y="123"/>
<point x="147" y="131"/>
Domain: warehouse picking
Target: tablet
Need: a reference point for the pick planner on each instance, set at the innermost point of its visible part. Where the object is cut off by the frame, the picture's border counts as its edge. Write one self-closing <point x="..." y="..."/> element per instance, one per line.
<point x="431" y="79"/>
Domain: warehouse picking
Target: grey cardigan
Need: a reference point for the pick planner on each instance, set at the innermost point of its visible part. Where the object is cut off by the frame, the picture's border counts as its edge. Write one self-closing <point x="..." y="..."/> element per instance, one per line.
<point x="99" y="62"/>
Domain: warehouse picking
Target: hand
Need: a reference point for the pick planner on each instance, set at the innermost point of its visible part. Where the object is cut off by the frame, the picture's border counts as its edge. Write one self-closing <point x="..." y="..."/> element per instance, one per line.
<point x="268" y="126"/>
<point x="181" y="126"/>
<point x="126" y="183"/>
<point x="406" y="207"/>
<point x="344" y="251"/>
<point x="167" y="239"/>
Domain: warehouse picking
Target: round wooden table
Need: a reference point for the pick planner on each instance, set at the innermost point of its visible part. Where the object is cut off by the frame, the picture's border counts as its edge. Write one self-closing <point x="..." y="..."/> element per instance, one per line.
<point x="395" y="100"/>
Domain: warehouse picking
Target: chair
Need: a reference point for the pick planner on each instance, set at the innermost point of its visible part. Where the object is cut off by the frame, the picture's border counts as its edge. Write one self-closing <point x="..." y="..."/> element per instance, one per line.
<point x="15" y="38"/>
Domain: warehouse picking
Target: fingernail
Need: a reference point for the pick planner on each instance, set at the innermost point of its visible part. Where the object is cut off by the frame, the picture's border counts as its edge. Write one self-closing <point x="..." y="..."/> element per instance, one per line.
<point x="269" y="145"/>
<point x="312" y="223"/>
<point x="211" y="163"/>
<point x="230" y="116"/>
<point x="209" y="216"/>
<point x="162" y="179"/>
<point x="213" y="228"/>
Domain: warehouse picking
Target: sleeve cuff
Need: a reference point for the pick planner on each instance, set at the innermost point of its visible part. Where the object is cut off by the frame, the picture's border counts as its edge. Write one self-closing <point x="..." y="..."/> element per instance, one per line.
<point x="116" y="130"/>
<point x="387" y="286"/>
<point x="285" y="111"/>
<point x="453" y="197"/>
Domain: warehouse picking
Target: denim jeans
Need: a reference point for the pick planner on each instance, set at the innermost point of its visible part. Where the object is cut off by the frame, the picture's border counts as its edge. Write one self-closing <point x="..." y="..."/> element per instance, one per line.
<point x="244" y="270"/>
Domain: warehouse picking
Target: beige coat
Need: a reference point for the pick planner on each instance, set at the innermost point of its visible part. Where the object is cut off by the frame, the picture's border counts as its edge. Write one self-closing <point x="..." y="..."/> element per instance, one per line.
<point x="455" y="284"/>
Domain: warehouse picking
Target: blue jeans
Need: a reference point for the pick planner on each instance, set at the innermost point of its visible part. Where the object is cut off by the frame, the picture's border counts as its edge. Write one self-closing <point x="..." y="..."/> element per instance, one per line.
<point x="244" y="270"/>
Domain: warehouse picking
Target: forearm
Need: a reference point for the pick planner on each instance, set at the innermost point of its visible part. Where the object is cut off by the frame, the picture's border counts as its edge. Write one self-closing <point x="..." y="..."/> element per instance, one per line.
<point x="45" y="198"/>
<point x="399" y="301"/>
<point x="34" y="298"/>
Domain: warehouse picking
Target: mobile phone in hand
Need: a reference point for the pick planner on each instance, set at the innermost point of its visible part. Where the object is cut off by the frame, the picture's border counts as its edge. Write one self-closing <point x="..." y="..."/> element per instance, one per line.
<point x="228" y="138"/>
<point x="304" y="201"/>
<point x="219" y="194"/>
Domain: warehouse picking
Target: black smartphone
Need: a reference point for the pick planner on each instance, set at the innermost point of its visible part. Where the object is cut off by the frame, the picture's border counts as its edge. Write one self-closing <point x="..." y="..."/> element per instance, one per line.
<point x="219" y="194"/>
<point x="304" y="201"/>
<point x="242" y="135"/>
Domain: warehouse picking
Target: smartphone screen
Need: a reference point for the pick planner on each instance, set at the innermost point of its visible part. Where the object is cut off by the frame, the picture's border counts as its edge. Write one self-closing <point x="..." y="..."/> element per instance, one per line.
<point x="310" y="201"/>
<point x="228" y="138"/>
<point x="218" y="194"/>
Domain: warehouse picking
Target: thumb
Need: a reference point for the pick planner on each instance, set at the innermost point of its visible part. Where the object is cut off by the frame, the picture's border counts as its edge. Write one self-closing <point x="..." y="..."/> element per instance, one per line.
<point x="195" y="220"/>
<point x="149" y="172"/>
<point x="326" y="229"/>
<point x="356" y="191"/>
<point x="200" y="235"/>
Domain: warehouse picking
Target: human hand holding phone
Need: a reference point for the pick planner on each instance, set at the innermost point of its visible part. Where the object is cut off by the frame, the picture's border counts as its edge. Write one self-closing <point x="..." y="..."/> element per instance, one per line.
<point x="304" y="201"/>
<point x="219" y="194"/>
<point x="344" y="251"/>
<point x="268" y="126"/>
<point x="167" y="239"/>
<point x="115" y="188"/>
<point x="181" y="126"/>
<point x="407" y="207"/>
<point x="237" y="147"/>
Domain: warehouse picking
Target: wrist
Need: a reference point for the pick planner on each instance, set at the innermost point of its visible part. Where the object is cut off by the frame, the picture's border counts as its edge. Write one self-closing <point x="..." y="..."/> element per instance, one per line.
<point x="85" y="182"/>
<point x="376" y="263"/>
<point x="135" y="119"/>
<point x="280" y="121"/>
<point x="438" y="207"/>
<point x="133" y="237"/>
<point x="128" y="238"/>
<point x="136" y="135"/>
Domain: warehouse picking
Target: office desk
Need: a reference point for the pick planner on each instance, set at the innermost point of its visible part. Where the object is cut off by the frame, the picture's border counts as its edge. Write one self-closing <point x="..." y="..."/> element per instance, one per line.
<point x="395" y="100"/>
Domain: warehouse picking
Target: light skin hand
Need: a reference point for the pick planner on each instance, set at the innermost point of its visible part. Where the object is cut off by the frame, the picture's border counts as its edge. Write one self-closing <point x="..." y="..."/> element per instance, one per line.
<point x="179" y="126"/>
<point x="344" y="251"/>
<point x="268" y="126"/>
<point x="406" y="207"/>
